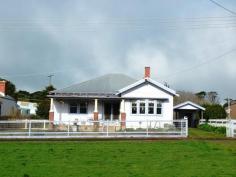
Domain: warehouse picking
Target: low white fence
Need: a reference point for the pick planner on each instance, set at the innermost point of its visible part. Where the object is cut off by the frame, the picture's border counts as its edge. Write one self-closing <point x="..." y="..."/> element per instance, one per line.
<point x="93" y="129"/>
<point x="215" y="122"/>
<point x="228" y="123"/>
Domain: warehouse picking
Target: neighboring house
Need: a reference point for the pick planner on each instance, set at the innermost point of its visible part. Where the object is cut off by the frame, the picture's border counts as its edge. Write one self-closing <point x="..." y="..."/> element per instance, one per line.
<point x="232" y="109"/>
<point x="190" y="110"/>
<point x="27" y="108"/>
<point x="8" y="104"/>
<point x="113" y="97"/>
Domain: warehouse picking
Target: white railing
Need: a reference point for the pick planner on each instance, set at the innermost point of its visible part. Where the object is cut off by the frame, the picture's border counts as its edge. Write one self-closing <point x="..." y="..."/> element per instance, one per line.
<point x="93" y="129"/>
<point x="231" y="129"/>
<point x="214" y="122"/>
<point x="228" y="123"/>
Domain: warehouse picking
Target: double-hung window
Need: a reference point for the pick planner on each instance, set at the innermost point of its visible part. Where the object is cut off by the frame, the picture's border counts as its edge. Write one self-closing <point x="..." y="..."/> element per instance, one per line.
<point x="150" y="107"/>
<point x="142" y="107"/>
<point x="134" y="108"/>
<point x="73" y="108"/>
<point x="159" y="108"/>
<point x="80" y="108"/>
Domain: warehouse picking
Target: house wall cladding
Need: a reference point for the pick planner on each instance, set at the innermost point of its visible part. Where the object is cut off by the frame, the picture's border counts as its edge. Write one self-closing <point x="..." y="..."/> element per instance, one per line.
<point x="8" y="106"/>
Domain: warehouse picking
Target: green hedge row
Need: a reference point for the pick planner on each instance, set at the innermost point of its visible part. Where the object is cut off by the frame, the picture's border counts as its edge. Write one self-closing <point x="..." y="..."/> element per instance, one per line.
<point x="210" y="128"/>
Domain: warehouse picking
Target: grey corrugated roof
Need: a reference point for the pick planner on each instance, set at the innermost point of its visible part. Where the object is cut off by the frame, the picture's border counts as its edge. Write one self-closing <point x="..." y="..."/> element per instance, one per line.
<point x="107" y="84"/>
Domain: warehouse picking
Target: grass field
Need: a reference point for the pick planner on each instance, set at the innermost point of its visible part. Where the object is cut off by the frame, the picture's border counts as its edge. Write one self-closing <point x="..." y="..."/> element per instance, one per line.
<point x="206" y="158"/>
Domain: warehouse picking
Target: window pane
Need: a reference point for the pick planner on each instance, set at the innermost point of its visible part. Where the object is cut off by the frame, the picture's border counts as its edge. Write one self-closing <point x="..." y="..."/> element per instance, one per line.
<point x="158" y="110"/>
<point x="83" y="108"/>
<point x="150" y="108"/>
<point x="142" y="108"/>
<point x="73" y="108"/>
<point x="134" y="108"/>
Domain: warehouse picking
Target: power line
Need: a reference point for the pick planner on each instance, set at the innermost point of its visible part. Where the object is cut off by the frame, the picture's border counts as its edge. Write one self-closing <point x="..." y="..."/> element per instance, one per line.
<point x="116" y="23"/>
<point x="219" y="57"/>
<point x="219" y="5"/>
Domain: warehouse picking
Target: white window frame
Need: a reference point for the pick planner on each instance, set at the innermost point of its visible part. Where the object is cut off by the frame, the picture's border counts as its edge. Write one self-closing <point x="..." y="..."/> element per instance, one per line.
<point x="136" y="102"/>
<point x="156" y="107"/>
<point x="153" y="102"/>
<point x="145" y="107"/>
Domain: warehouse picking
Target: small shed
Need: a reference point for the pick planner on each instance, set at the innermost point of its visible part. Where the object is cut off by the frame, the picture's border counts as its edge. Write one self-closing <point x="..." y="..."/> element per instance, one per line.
<point x="190" y="110"/>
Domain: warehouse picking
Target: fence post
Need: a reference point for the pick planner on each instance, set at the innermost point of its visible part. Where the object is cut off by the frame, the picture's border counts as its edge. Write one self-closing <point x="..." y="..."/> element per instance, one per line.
<point x="231" y="129"/>
<point x="44" y="124"/>
<point x="107" y="129"/>
<point x="26" y="122"/>
<point x="186" y="126"/>
<point x="147" y="129"/>
<point x="181" y="127"/>
<point x="68" y="129"/>
<point x="29" y="127"/>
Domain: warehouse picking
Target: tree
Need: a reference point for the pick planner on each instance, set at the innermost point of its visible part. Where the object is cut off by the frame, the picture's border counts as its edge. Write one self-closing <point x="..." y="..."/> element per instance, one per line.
<point x="189" y="96"/>
<point x="214" y="111"/>
<point x="23" y="95"/>
<point x="212" y="97"/>
<point x="44" y="102"/>
<point x="201" y="95"/>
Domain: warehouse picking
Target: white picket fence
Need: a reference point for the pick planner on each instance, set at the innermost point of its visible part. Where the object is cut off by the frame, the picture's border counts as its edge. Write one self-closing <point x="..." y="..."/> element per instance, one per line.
<point x="93" y="129"/>
<point x="228" y="123"/>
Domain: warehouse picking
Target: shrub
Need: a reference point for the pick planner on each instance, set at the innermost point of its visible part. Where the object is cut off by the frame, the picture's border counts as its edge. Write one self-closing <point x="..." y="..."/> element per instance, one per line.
<point x="210" y="128"/>
<point x="214" y="111"/>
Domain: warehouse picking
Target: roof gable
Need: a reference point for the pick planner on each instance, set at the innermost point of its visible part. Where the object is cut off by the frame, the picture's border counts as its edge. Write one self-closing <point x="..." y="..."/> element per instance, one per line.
<point x="149" y="80"/>
<point x="188" y="105"/>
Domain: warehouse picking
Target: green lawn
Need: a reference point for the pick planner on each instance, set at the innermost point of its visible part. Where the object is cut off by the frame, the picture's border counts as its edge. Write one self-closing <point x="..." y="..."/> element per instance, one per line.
<point x="195" y="133"/>
<point x="118" y="158"/>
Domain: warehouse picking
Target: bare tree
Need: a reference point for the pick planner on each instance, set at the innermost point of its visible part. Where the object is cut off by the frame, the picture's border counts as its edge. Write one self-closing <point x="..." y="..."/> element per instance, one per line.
<point x="212" y="97"/>
<point x="189" y="96"/>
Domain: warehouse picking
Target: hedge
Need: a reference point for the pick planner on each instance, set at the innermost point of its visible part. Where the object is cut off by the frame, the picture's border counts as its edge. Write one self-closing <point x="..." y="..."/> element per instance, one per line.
<point x="210" y="128"/>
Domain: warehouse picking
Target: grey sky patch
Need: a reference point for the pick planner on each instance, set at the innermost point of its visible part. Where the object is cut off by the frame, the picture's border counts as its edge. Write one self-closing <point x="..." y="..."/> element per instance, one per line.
<point x="79" y="40"/>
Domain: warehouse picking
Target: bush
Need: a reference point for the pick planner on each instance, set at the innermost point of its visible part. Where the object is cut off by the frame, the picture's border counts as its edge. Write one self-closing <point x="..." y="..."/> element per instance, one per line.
<point x="210" y="128"/>
<point x="214" y="111"/>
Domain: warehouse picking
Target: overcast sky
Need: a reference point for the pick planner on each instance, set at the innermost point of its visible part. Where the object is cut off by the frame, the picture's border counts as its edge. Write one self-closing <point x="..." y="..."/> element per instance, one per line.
<point x="190" y="44"/>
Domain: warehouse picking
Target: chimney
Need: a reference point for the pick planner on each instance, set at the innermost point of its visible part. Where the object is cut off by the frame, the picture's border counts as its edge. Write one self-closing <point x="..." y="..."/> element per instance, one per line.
<point x="2" y="88"/>
<point x="147" y="72"/>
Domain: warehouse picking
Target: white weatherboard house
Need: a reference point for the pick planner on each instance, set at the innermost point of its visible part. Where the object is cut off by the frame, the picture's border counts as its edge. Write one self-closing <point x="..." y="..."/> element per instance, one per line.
<point x="27" y="108"/>
<point x="113" y="97"/>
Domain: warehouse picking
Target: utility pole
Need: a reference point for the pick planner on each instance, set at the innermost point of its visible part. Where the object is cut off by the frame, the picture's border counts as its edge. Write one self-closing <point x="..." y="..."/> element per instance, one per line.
<point x="229" y="108"/>
<point x="50" y="79"/>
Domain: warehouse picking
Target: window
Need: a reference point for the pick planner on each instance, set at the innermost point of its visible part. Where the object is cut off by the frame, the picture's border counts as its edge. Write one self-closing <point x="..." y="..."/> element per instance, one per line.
<point x="150" y="108"/>
<point x="142" y="106"/>
<point x="83" y="108"/>
<point x="159" y="108"/>
<point x="134" y="108"/>
<point x="73" y="108"/>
